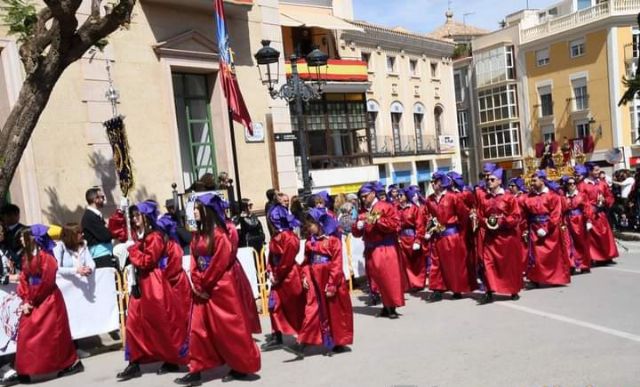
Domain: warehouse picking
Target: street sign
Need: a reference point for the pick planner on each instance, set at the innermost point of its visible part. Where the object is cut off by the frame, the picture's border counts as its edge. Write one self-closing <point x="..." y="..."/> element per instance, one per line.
<point x="280" y="137"/>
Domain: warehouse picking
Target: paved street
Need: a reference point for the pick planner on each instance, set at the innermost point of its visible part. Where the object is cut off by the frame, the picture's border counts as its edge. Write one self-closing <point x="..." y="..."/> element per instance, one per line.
<point x="587" y="334"/>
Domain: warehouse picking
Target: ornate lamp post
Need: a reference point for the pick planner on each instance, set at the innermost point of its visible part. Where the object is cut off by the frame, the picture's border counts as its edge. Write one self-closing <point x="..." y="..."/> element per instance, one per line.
<point x="295" y="90"/>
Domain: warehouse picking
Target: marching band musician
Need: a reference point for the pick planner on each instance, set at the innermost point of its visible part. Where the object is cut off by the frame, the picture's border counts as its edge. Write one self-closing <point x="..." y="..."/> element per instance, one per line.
<point x="500" y="245"/>
<point x="577" y="219"/>
<point x="378" y="225"/>
<point x="449" y="265"/>
<point x="602" y="244"/>
<point x="411" y="246"/>
<point x="547" y="264"/>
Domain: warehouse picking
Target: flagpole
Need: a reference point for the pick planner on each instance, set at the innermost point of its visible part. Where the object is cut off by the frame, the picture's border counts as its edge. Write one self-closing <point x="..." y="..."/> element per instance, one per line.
<point x="234" y="153"/>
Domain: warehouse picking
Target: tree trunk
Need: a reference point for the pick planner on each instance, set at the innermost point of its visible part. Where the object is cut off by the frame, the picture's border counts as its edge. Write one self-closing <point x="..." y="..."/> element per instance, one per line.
<point x="20" y="124"/>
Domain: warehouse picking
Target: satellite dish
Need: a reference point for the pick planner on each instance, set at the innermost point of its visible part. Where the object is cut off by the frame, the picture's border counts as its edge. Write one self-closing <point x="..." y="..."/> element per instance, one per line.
<point x="613" y="156"/>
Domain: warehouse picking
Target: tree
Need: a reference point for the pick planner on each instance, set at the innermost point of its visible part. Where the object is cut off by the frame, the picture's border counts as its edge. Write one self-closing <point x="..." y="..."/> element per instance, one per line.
<point x="50" y="38"/>
<point x="632" y="85"/>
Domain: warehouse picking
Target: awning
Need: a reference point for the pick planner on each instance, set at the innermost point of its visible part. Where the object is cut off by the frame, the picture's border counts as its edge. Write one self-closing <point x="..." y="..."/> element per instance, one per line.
<point x="240" y="2"/>
<point x="291" y="18"/>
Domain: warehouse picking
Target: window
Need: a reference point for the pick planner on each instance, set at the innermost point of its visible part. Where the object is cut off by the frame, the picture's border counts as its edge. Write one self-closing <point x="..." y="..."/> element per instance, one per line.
<point x="548" y="134"/>
<point x="413" y="68"/>
<point x="463" y="122"/>
<point x="396" y="118"/>
<point x="366" y="58"/>
<point x="577" y="48"/>
<point x="553" y="11"/>
<point x="546" y="101"/>
<point x="197" y="148"/>
<point x="636" y="38"/>
<point x="457" y="84"/>
<point x="497" y="104"/>
<point x="372" y="120"/>
<point x="542" y="57"/>
<point x="582" y="4"/>
<point x="434" y="69"/>
<point x="500" y="141"/>
<point x="580" y="95"/>
<point x="391" y="64"/>
<point x="582" y="129"/>
<point x="437" y="115"/>
<point x="418" y="118"/>
<point x="495" y="66"/>
<point x="336" y="130"/>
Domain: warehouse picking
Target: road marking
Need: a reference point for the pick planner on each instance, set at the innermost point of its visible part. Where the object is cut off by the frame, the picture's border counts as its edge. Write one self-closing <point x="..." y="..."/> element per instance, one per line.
<point x="569" y="320"/>
<point x="623" y="270"/>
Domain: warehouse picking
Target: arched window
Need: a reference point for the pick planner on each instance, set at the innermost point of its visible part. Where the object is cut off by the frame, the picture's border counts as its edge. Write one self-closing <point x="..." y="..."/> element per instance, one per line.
<point x="418" y="122"/>
<point x="396" y="121"/>
<point x="437" y="115"/>
<point x="372" y="121"/>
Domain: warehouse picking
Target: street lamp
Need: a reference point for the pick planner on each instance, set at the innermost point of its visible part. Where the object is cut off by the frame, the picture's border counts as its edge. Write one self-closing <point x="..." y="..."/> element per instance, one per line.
<point x="294" y="90"/>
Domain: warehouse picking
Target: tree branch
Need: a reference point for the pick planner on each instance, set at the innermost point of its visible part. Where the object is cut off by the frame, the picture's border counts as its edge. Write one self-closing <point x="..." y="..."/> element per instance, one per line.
<point x="33" y="47"/>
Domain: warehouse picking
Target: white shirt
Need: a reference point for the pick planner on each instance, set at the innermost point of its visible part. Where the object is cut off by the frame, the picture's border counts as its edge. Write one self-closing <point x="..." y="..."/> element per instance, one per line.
<point x="626" y="186"/>
<point x="69" y="261"/>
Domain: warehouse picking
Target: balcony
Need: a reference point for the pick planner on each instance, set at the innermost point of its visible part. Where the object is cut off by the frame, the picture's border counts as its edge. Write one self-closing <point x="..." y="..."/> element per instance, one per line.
<point x="342" y="70"/>
<point x="584" y="145"/>
<point x="387" y="146"/>
<point x="628" y="8"/>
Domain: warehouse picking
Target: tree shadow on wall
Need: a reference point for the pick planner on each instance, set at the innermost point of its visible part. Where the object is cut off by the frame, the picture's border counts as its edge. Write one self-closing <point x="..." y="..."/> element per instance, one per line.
<point x="57" y="212"/>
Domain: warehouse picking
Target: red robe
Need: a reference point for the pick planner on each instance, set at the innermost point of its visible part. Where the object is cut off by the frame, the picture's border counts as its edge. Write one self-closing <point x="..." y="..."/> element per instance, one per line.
<point x="220" y="328"/>
<point x="602" y="245"/>
<point x="328" y="320"/>
<point x="383" y="261"/>
<point x="287" y="298"/>
<point x="450" y="269"/>
<point x="577" y="212"/>
<point x="179" y="281"/>
<point x="44" y="343"/>
<point x="501" y="252"/>
<point x="412" y="231"/>
<point x="521" y="197"/>
<point x="548" y="262"/>
<point x="156" y="329"/>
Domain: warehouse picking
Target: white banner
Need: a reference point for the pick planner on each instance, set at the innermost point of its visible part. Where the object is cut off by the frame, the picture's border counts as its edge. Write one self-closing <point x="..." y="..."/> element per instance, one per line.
<point x="91" y="305"/>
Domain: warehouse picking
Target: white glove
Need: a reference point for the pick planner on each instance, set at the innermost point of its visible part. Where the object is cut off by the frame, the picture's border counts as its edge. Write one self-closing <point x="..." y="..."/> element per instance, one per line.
<point x="541" y="233"/>
<point x="427" y="236"/>
<point x="360" y="225"/>
<point x="589" y="226"/>
<point x="416" y="246"/>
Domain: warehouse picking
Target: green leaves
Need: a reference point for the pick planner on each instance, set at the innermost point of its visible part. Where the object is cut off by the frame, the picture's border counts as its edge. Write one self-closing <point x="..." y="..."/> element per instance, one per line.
<point x="20" y="16"/>
<point x="633" y="88"/>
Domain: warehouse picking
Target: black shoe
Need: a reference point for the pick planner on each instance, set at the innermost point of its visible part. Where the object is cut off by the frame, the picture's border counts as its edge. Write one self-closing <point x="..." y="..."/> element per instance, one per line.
<point x="74" y="369"/>
<point x="487" y="298"/>
<point x="457" y="296"/>
<point x="273" y="342"/>
<point x="585" y="271"/>
<point x="374" y="299"/>
<point x="168" y="368"/>
<point x="435" y="297"/>
<point x="515" y="297"/>
<point x="190" y="379"/>
<point x="296" y="349"/>
<point x="392" y="313"/>
<point x="234" y="375"/>
<point x="132" y="371"/>
<point x="341" y="349"/>
<point x="384" y="312"/>
<point x="16" y="379"/>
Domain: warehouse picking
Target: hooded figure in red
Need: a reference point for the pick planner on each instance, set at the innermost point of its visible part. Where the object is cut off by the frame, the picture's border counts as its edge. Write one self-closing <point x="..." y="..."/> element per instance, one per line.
<point x="221" y="326"/>
<point x="328" y="314"/>
<point x="542" y="214"/>
<point x="287" y="297"/>
<point x="412" y="250"/>
<point x="578" y="217"/>
<point x="450" y="269"/>
<point x="500" y="253"/>
<point x="602" y="245"/>
<point x="44" y="343"/>
<point x="379" y="225"/>
<point x="156" y="329"/>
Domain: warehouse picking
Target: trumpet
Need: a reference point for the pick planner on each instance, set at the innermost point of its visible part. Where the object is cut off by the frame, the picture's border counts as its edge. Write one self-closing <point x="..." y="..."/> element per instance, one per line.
<point x="435" y="227"/>
<point x="373" y="217"/>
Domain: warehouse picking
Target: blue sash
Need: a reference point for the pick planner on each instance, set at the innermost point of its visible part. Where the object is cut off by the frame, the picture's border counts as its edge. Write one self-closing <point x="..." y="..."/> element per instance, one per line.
<point x="35" y="280"/>
<point x="275" y="259"/>
<point x="539" y="218"/>
<point x="203" y="262"/>
<point x="388" y="241"/>
<point x="448" y="231"/>
<point x="317" y="259"/>
<point x="574" y="212"/>
<point x="162" y="263"/>
<point x="410" y="232"/>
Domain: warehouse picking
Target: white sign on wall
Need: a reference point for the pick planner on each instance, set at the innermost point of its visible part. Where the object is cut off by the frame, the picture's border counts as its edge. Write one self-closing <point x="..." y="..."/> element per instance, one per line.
<point x="447" y="143"/>
<point x="258" y="133"/>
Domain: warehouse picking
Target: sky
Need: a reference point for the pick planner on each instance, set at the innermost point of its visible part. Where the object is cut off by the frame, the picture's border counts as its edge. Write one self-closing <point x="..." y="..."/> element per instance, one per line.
<point x="424" y="16"/>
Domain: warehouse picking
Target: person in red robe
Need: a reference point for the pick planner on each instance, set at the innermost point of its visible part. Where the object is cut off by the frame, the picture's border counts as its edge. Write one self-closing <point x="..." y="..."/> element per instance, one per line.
<point x="44" y="343"/>
<point x="518" y="189"/>
<point x="602" y="245"/>
<point x="449" y="258"/>
<point x="379" y="225"/>
<point x="542" y="213"/>
<point x="287" y="298"/>
<point x="500" y="254"/>
<point x="220" y="326"/>
<point x="412" y="231"/>
<point x="155" y="327"/>
<point x="328" y="314"/>
<point x="578" y="217"/>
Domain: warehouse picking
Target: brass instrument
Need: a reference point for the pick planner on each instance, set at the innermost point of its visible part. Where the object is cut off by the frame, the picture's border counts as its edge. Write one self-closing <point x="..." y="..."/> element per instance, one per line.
<point x="474" y="219"/>
<point x="435" y="227"/>
<point x="373" y="216"/>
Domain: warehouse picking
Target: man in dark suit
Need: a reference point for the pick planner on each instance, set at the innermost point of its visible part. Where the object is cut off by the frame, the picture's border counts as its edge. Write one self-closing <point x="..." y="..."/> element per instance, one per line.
<point x="10" y="216"/>
<point x="95" y="230"/>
